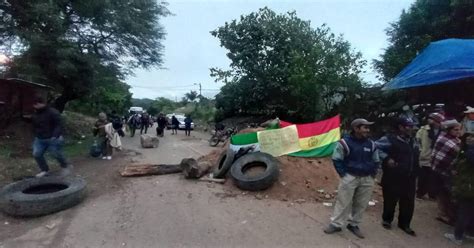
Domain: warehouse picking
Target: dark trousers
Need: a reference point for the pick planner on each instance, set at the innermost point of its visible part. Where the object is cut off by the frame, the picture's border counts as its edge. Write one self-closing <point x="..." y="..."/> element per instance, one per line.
<point x="144" y="127"/>
<point x="465" y="217"/>
<point x="187" y="131"/>
<point x="132" y="131"/>
<point x="402" y="194"/>
<point x="425" y="183"/>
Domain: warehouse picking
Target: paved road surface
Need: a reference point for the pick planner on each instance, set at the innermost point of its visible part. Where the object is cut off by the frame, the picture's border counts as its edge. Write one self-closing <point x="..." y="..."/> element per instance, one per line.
<point x="169" y="211"/>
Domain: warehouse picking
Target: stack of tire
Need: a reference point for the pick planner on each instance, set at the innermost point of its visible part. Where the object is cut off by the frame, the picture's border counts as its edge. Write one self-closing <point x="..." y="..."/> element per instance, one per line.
<point x="237" y="166"/>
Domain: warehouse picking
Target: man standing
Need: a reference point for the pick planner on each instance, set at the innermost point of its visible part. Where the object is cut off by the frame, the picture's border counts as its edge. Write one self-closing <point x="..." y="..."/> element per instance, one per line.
<point x="356" y="161"/>
<point x="145" y="122"/>
<point x="48" y="130"/>
<point x="162" y="121"/>
<point x="426" y="138"/>
<point x="187" y="125"/>
<point x="399" y="153"/>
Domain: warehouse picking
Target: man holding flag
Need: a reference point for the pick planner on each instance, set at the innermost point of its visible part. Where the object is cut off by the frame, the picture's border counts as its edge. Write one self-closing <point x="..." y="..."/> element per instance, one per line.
<point x="357" y="163"/>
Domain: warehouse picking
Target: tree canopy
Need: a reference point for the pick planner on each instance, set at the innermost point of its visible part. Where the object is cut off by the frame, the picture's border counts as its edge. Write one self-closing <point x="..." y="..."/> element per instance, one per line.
<point x="425" y="21"/>
<point x="70" y="43"/>
<point x="282" y="66"/>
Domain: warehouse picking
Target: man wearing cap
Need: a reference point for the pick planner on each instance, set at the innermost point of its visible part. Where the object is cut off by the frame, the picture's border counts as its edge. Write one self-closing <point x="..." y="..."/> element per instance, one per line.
<point x="426" y="138"/>
<point x="399" y="152"/>
<point x="443" y="158"/>
<point x="468" y="121"/>
<point x="48" y="130"/>
<point x="356" y="162"/>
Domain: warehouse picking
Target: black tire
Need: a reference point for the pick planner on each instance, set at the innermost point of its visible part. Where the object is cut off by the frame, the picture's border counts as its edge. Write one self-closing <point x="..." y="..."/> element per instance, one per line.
<point x="258" y="182"/>
<point x="214" y="141"/>
<point x="30" y="197"/>
<point x="224" y="163"/>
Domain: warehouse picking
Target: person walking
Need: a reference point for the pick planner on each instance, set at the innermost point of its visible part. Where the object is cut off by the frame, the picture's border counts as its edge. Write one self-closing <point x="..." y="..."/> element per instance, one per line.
<point x="463" y="191"/>
<point x="356" y="162"/>
<point x="99" y="131"/>
<point x="443" y="158"/>
<point x="399" y="152"/>
<point x="48" y="132"/>
<point x="174" y="125"/>
<point x="187" y="125"/>
<point x="161" y="121"/>
<point x="145" y="122"/>
<point x="426" y="138"/>
<point x="134" y="123"/>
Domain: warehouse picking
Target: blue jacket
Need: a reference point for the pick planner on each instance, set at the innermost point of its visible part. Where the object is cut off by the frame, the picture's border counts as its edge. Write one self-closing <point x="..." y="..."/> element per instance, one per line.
<point x="357" y="157"/>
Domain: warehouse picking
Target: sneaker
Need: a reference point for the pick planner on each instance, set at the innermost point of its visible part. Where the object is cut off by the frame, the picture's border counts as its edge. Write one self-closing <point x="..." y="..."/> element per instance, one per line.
<point x="386" y="225"/>
<point x="356" y="231"/>
<point x="332" y="229"/>
<point x="453" y="239"/>
<point x="42" y="174"/>
<point x="109" y="157"/>
<point x="104" y="157"/>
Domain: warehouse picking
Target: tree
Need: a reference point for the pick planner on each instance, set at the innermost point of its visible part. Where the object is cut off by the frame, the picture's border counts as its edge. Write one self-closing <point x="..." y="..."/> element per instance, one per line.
<point x="424" y="22"/>
<point x="281" y="66"/>
<point x="191" y="96"/>
<point x="69" y="42"/>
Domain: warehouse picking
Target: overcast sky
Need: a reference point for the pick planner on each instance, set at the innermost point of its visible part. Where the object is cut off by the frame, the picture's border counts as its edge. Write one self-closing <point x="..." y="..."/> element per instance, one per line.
<point x="190" y="50"/>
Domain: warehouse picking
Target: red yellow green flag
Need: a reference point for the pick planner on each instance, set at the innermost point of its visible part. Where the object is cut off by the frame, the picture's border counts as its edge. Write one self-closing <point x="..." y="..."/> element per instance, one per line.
<point x="317" y="139"/>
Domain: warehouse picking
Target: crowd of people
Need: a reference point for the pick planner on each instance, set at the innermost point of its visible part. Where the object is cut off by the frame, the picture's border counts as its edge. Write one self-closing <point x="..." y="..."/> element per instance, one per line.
<point x="431" y="162"/>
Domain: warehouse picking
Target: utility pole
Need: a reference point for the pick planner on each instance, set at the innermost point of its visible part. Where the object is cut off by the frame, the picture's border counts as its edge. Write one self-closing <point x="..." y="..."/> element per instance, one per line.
<point x="200" y="88"/>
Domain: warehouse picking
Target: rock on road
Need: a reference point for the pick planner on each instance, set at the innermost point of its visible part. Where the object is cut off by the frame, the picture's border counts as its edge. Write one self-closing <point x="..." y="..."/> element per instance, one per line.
<point x="169" y="211"/>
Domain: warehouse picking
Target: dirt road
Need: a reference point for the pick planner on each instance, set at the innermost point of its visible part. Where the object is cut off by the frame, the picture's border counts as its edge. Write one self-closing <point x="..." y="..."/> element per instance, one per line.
<point x="169" y="211"/>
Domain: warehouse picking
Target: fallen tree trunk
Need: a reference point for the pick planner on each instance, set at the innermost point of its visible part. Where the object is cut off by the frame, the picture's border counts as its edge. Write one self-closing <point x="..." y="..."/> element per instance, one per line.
<point x="137" y="170"/>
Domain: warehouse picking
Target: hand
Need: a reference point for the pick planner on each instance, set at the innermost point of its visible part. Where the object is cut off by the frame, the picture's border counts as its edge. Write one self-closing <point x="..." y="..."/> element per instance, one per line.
<point x="391" y="163"/>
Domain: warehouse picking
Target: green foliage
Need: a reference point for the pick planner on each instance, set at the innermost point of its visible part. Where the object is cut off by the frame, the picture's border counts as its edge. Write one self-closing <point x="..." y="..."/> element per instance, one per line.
<point x="70" y="44"/>
<point x="425" y="21"/>
<point x="281" y="66"/>
<point x="191" y="96"/>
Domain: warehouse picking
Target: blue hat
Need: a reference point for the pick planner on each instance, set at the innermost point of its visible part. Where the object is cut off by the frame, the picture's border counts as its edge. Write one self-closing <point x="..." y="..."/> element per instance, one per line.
<point x="404" y="121"/>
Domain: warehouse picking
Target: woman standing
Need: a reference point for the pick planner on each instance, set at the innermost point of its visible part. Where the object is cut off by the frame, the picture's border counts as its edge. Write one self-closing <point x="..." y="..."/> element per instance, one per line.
<point x="99" y="131"/>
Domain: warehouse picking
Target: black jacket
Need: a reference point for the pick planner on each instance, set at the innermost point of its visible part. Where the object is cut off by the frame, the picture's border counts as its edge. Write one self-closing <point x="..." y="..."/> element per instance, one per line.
<point x="47" y="123"/>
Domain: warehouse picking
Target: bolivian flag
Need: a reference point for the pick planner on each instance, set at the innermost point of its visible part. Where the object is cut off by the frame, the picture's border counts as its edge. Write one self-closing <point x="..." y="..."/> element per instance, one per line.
<point x="317" y="139"/>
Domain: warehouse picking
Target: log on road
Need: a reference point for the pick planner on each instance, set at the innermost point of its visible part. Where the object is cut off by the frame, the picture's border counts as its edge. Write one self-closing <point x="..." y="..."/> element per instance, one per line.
<point x="136" y="170"/>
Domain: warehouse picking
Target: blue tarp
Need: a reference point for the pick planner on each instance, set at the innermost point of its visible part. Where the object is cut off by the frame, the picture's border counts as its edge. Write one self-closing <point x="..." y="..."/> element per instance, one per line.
<point x="440" y="62"/>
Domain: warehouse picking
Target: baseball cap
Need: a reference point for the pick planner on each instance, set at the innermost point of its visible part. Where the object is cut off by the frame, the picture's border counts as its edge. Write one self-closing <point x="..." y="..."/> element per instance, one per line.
<point x="405" y="121"/>
<point x="359" y="122"/>
<point x="436" y="117"/>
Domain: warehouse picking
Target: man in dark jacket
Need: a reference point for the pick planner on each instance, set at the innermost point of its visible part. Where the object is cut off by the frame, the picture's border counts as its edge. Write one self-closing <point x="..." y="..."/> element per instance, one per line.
<point x="356" y="162"/>
<point x="400" y="155"/>
<point x="48" y="133"/>
<point x="162" y="121"/>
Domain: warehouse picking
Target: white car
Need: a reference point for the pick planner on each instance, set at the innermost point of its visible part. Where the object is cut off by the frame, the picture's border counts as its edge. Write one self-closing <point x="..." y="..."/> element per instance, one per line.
<point x="181" y="123"/>
<point x="180" y="118"/>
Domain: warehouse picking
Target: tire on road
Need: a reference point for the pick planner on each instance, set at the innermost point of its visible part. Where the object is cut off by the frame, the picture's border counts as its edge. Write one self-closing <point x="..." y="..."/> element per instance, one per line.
<point x="260" y="181"/>
<point x="41" y="196"/>
<point x="214" y="141"/>
<point x="224" y="163"/>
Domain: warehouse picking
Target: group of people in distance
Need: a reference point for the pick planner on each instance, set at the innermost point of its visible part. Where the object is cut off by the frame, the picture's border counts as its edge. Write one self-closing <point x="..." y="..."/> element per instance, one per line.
<point x="431" y="162"/>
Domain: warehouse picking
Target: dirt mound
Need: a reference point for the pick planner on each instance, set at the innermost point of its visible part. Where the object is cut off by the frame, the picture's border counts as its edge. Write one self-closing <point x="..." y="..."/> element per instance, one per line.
<point x="310" y="179"/>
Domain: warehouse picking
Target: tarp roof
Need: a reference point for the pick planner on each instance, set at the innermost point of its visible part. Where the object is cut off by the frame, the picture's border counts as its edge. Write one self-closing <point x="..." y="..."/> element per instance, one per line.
<point x="441" y="62"/>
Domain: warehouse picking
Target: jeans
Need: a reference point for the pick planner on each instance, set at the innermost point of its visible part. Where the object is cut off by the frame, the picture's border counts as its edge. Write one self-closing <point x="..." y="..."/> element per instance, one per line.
<point x="55" y="147"/>
<point x="353" y="196"/>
